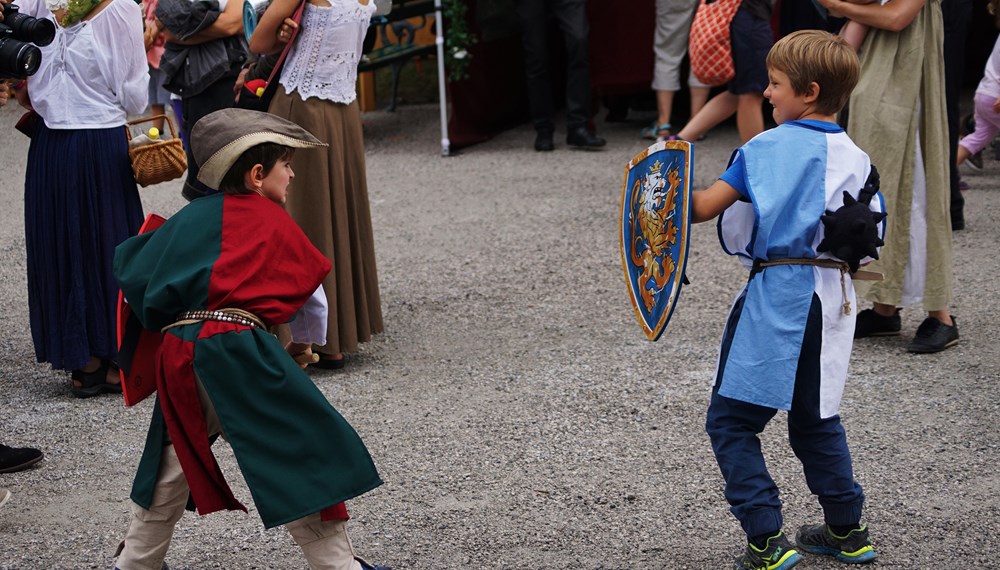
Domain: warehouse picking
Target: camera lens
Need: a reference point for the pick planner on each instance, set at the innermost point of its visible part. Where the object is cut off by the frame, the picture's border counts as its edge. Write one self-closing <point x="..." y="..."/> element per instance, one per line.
<point x="28" y="29"/>
<point x="18" y="59"/>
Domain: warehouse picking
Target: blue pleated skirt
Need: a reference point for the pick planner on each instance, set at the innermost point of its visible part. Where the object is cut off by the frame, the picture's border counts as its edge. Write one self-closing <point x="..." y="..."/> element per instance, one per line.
<point x="80" y="201"/>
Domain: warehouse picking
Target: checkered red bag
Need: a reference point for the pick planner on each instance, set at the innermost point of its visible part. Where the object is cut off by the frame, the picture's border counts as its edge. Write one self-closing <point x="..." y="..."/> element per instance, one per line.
<point x="709" y="48"/>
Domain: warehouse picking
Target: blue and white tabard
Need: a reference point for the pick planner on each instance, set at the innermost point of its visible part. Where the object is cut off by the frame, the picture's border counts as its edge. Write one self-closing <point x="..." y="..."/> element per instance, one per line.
<point x="789" y="176"/>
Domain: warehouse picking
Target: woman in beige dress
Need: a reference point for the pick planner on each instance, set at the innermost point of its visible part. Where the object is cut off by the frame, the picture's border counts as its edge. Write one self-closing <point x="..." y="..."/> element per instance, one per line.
<point x="897" y="115"/>
<point x="330" y="195"/>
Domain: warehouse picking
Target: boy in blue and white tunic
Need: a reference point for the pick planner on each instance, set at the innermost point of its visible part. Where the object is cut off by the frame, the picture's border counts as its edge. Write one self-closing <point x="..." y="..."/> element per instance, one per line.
<point x="789" y="335"/>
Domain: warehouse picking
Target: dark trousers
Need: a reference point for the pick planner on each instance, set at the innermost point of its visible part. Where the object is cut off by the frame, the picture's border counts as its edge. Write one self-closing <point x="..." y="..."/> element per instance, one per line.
<point x="957" y="16"/>
<point x="218" y="95"/>
<point x="571" y="15"/>
<point x="819" y="443"/>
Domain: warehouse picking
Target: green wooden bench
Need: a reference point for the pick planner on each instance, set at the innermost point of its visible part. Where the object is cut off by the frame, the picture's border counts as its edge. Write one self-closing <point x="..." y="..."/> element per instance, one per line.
<point x="397" y="47"/>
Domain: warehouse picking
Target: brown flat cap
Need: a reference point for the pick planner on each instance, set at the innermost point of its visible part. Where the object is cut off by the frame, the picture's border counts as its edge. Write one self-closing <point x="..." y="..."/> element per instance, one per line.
<point x="219" y="138"/>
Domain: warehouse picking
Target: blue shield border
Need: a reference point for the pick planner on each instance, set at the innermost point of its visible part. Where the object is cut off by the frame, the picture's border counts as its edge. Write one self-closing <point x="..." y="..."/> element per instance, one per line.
<point x="655" y="230"/>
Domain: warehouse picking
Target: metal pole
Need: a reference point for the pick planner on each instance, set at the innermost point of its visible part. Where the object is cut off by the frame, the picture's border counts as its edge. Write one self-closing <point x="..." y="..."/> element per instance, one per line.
<point x="442" y="91"/>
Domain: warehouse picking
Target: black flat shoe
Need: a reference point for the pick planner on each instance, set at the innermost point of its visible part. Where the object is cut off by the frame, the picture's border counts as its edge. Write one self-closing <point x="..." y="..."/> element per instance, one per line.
<point x="544" y="142"/>
<point x="327" y="363"/>
<point x="934" y="336"/>
<point x="580" y="137"/>
<point x="18" y="458"/>
<point x="870" y="323"/>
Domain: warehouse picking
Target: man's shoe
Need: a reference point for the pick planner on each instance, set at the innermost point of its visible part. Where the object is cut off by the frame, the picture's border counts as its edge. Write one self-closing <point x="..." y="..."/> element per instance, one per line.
<point x="18" y="458"/>
<point x="975" y="161"/>
<point x="778" y="554"/>
<point x="855" y="548"/>
<point x="934" y="336"/>
<point x="870" y="323"/>
<point x="543" y="141"/>
<point x="582" y="138"/>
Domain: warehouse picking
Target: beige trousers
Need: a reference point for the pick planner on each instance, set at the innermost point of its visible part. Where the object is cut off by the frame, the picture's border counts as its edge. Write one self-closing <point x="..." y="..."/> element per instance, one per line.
<point x="325" y="545"/>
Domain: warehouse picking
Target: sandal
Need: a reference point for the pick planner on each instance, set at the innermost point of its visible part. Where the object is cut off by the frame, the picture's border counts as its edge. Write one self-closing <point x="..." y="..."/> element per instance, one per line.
<point x="654" y="131"/>
<point x="94" y="382"/>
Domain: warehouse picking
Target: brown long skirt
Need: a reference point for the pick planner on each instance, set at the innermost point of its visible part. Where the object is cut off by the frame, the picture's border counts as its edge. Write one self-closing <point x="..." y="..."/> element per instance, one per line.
<point x="329" y="200"/>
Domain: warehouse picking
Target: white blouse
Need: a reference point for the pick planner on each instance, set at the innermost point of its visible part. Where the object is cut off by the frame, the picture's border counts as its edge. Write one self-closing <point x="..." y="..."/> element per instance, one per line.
<point x="94" y="73"/>
<point x="323" y="62"/>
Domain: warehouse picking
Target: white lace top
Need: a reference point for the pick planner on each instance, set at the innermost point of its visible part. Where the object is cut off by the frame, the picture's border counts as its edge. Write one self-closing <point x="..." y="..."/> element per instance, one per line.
<point x="323" y="62"/>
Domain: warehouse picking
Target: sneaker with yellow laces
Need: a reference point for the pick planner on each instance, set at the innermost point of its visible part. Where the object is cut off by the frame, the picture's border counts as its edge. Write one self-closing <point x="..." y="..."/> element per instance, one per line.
<point x="777" y="554"/>
<point x="854" y="548"/>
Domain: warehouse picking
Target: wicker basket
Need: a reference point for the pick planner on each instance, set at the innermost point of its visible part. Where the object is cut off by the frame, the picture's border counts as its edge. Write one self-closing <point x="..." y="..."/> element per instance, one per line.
<point x="158" y="161"/>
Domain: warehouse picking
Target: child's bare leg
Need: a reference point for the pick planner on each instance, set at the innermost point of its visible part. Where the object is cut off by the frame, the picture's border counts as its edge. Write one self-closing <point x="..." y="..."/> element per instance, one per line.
<point x="749" y="116"/>
<point x="718" y="109"/>
<point x="962" y="155"/>
<point x="664" y="106"/>
<point x="699" y="96"/>
<point x="149" y="533"/>
<point x="325" y="544"/>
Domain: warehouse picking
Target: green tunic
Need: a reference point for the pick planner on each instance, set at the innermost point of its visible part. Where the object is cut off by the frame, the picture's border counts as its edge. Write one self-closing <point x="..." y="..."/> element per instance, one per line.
<point x="297" y="454"/>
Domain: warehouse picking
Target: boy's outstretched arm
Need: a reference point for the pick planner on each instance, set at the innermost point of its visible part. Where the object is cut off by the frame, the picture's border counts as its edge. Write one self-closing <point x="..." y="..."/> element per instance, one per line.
<point x="708" y="203"/>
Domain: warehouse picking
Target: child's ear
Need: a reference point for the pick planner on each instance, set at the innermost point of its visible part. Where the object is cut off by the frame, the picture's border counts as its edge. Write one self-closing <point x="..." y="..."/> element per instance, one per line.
<point x="254" y="177"/>
<point x="812" y="92"/>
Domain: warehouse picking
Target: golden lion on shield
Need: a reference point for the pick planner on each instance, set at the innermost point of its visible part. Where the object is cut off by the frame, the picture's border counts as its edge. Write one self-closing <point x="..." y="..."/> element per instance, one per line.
<point x="656" y="204"/>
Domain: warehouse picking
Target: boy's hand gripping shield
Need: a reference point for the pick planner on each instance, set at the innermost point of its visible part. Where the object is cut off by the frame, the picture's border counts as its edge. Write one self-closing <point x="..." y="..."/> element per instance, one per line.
<point x="655" y="230"/>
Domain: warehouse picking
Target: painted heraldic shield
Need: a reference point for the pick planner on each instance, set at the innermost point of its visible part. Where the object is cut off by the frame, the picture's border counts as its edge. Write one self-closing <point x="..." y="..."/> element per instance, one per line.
<point x="655" y="230"/>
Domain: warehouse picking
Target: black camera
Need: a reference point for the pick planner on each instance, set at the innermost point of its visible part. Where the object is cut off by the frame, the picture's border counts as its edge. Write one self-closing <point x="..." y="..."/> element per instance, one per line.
<point x="18" y="57"/>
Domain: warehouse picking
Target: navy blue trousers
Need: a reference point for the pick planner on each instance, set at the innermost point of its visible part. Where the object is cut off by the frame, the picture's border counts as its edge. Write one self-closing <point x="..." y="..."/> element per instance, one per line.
<point x="819" y="443"/>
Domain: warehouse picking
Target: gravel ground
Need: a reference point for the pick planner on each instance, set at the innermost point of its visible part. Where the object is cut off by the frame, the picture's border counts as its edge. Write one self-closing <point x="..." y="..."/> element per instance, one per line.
<point x="517" y="414"/>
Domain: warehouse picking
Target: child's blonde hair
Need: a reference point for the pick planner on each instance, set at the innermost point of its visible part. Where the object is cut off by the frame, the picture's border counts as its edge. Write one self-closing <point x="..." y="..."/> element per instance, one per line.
<point x="814" y="55"/>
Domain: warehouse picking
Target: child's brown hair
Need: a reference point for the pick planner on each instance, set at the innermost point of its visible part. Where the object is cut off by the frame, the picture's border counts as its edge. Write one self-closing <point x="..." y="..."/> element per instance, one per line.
<point x="814" y="55"/>
<point x="266" y="154"/>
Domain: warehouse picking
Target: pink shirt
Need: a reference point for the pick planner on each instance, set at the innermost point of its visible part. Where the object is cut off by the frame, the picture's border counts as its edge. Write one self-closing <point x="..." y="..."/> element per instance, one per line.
<point x="155" y="51"/>
<point x="990" y="84"/>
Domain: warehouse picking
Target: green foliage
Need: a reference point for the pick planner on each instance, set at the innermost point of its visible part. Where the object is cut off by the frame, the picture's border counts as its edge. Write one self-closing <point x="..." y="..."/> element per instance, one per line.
<point x="77" y="10"/>
<point x="458" y="39"/>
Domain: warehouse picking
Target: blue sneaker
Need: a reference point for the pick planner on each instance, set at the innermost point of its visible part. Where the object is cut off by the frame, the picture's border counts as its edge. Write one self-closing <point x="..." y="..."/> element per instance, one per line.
<point x="778" y="554"/>
<point x="855" y="548"/>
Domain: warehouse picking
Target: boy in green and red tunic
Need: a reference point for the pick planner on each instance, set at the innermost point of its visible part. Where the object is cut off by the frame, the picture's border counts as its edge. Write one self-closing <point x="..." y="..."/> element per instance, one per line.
<point x="214" y="278"/>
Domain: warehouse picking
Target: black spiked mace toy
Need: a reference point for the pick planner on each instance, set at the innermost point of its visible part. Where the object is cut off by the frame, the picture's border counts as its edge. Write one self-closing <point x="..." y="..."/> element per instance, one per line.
<point x="852" y="231"/>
